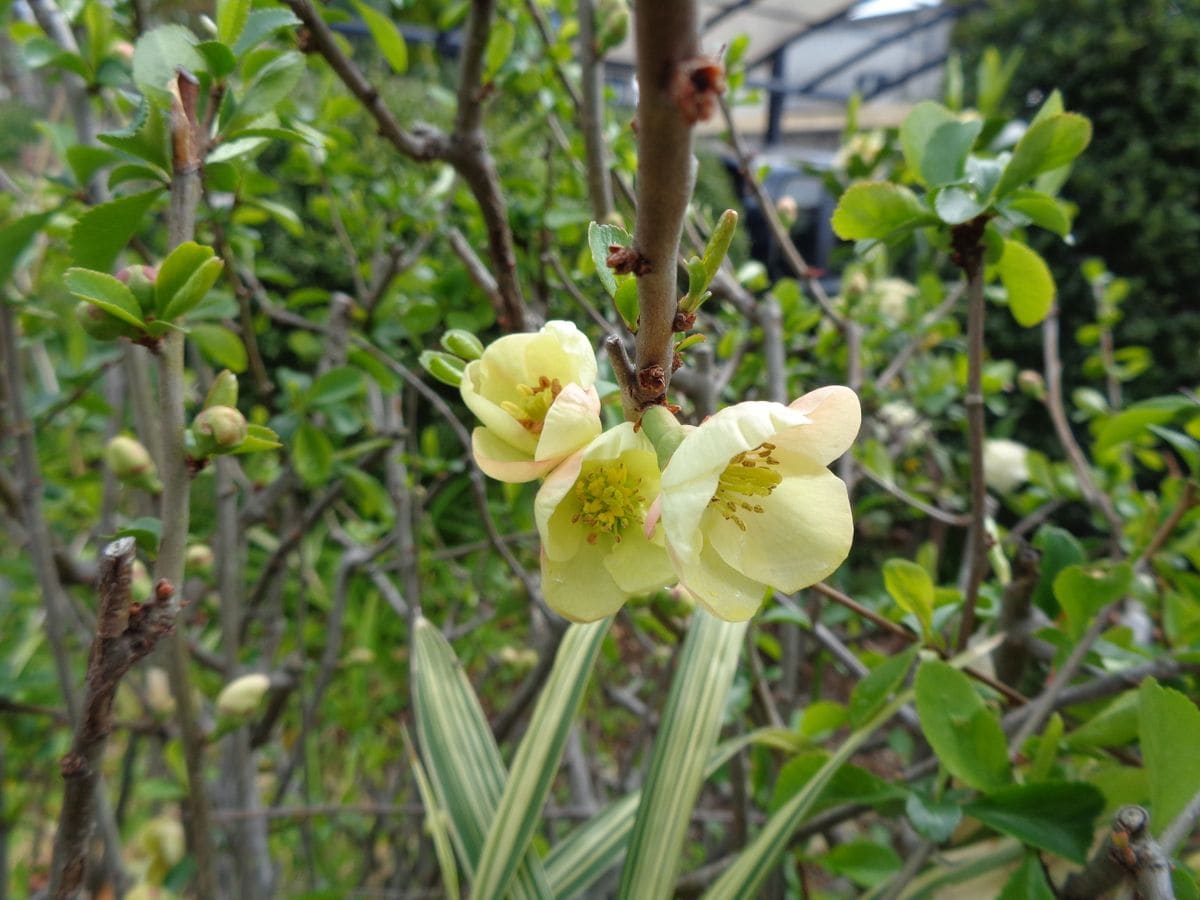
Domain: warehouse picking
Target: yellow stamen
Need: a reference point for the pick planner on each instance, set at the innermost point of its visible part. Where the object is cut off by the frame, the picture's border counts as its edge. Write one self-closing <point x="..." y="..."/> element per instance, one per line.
<point x="749" y="474"/>
<point x="608" y="497"/>
<point x="530" y="411"/>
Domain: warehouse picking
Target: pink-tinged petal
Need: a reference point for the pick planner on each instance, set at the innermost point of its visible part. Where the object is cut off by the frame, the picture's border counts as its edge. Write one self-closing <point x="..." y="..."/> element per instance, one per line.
<point x="504" y="462"/>
<point x="802" y="535"/>
<point x="835" y="417"/>
<point x="581" y="590"/>
<point x="572" y="422"/>
<point x="653" y="514"/>
<point x="490" y="414"/>
<point x="722" y="590"/>
<point x="638" y="566"/>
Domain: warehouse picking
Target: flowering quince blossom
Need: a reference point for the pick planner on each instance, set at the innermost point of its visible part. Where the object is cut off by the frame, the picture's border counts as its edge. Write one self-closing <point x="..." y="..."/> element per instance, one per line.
<point x="535" y="397"/>
<point x="590" y="514"/>
<point x="748" y="503"/>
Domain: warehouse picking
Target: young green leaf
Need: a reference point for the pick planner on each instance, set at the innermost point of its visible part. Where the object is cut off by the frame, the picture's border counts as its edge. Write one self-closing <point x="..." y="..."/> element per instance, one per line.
<point x="1082" y="591"/>
<point x="106" y="292"/>
<point x="1028" y="882"/>
<point x="912" y="589"/>
<point x="1169" y="732"/>
<point x="260" y="24"/>
<point x="1039" y="209"/>
<point x="386" y="35"/>
<point x="15" y="236"/>
<point x="877" y="209"/>
<point x="1057" y="816"/>
<point x="873" y="691"/>
<point x="271" y="84"/>
<point x="945" y="156"/>
<point x="600" y="238"/>
<point x="1049" y="144"/>
<point x="146" y="137"/>
<point x="219" y="345"/>
<point x="1028" y="281"/>
<point x="176" y="270"/>
<point x="918" y="127"/>
<point x="194" y="289"/>
<point x="499" y="46"/>
<point x="312" y="454"/>
<point x="231" y="19"/>
<point x="158" y="53"/>
<point x="964" y="733"/>
<point x="336" y="386"/>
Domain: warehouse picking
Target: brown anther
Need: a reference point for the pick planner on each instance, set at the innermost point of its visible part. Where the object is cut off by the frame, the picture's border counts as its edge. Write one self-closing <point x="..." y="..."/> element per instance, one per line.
<point x="696" y="85"/>
<point x="627" y="261"/>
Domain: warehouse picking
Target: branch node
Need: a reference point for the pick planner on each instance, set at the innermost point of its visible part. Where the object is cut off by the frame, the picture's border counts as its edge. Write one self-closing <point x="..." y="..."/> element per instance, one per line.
<point x="696" y="85"/>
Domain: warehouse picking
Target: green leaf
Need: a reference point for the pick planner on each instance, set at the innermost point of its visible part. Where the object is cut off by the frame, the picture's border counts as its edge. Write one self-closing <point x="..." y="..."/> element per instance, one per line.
<point x="219" y="345"/>
<point x="262" y="23"/>
<point x="156" y="56"/>
<point x="912" y="589"/>
<point x="271" y="84"/>
<point x="136" y="172"/>
<point x="1113" y="726"/>
<point x="499" y="47"/>
<point x="1028" y="281"/>
<point x="934" y="820"/>
<point x="1059" y="549"/>
<point x="877" y="209"/>
<point x="85" y="160"/>
<point x="626" y="302"/>
<point x="964" y="733"/>
<point x="537" y="760"/>
<point x="1028" y="882"/>
<point x="336" y="386"/>
<point x="312" y="455"/>
<point x="872" y="692"/>
<point x="687" y="732"/>
<point x="718" y="244"/>
<point x="945" y="155"/>
<point x="146" y="137"/>
<point x="1048" y="144"/>
<point x="387" y="36"/>
<point x="600" y="238"/>
<point x="864" y="862"/>
<point x="258" y="439"/>
<point x="1137" y="418"/>
<point x="460" y="754"/>
<point x="918" y="128"/>
<point x="232" y="16"/>
<point x="147" y="531"/>
<point x="103" y="231"/>
<point x="194" y="289"/>
<point x="15" y="237"/>
<point x="106" y="292"/>
<point x="435" y="818"/>
<point x="1040" y="209"/>
<point x="955" y="205"/>
<point x="1047" y="750"/>
<point x="176" y="270"/>
<point x="1169" y="731"/>
<point x="1082" y="591"/>
<point x="1056" y="816"/>
<point x="849" y="784"/>
<point x="218" y="58"/>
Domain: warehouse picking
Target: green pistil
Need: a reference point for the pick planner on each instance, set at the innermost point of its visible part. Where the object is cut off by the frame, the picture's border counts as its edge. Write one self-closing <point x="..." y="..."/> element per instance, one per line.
<point x="530" y="411"/>
<point x="748" y="475"/>
<point x="609" y="501"/>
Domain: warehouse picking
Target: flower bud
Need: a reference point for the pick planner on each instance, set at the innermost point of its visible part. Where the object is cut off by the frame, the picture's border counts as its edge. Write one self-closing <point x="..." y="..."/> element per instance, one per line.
<point x="140" y="281"/>
<point x="199" y="560"/>
<point x="224" y="390"/>
<point x="218" y="429"/>
<point x="462" y="344"/>
<point x="1005" y="464"/>
<point x="1032" y="384"/>
<point x="101" y="325"/>
<point x="131" y="463"/>
<point x="242" y="695"/>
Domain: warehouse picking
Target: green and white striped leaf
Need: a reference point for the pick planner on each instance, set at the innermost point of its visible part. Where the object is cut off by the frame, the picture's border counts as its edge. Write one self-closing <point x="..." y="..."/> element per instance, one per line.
<point x="578" y="861"/>
<point x="435" y="818"/>
<point x="762" y="854"/>
<point x="461" y="755"/>
<point x="537" y="760"/>
<point x="687" y="734"/>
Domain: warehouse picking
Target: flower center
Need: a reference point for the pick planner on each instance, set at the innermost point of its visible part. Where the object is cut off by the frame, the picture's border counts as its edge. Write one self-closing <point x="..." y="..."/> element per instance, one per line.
<point x="608" y="498"/>
<point x="748" y="475"/>
<point x="530" y="411"/>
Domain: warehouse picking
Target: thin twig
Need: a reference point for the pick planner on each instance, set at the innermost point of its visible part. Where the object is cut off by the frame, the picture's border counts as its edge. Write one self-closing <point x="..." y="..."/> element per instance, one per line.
<point x="948" y="518"/>
<point x="592" y="112"/>
<point x="1129" y="852"/>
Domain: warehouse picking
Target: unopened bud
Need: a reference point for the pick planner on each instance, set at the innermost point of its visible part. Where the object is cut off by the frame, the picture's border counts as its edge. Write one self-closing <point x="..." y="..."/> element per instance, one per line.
<point x="242" y="695"/>
<point x="219" y="429"/>
<point x="462" y="344"/>
<point x="101" y="325"/>
<point x="130" y="462"/>
<point x="199" y="560"/>
<point x="140" y="281"/>
<point x="445" y="368"/>
<point x="1032" y="384"/>
<point x="224" y="390"/>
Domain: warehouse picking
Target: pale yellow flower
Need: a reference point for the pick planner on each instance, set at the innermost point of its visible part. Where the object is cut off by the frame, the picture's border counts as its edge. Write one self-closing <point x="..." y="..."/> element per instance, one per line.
<point x="591" y="516"/>
<point x="535" y="397"/>
<point x="748" y="504"/>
